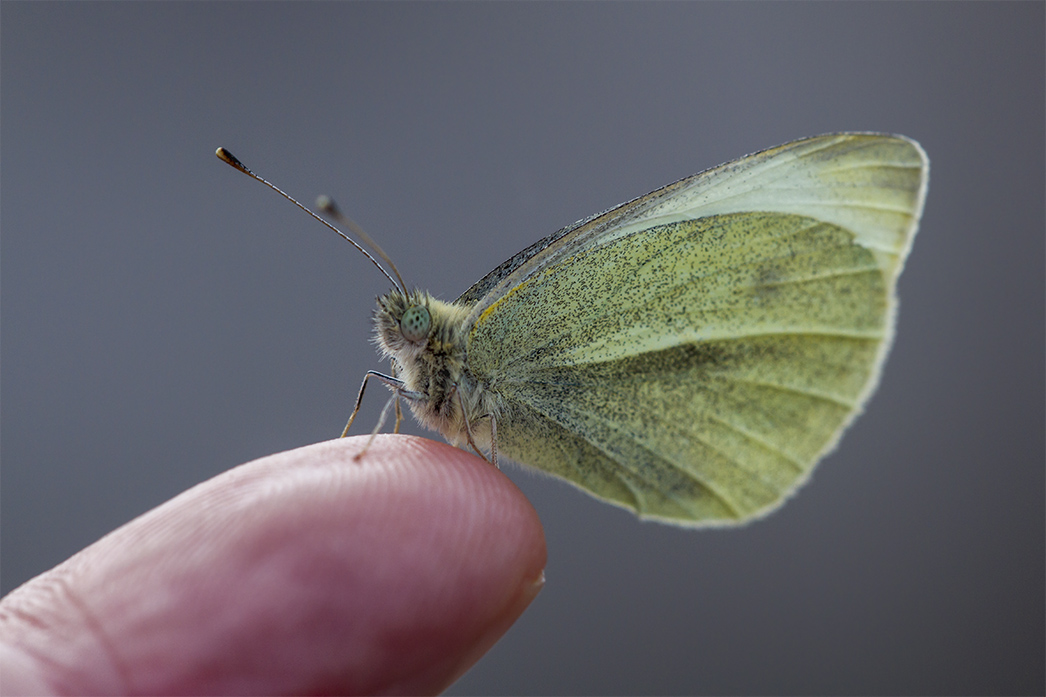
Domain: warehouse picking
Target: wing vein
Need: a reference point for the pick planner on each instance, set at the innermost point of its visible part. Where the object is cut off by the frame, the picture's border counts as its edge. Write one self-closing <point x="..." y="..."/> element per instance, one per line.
<point x="823" y="396"/>
<point x="767" y="445"/>
<point x="638" y="471"/>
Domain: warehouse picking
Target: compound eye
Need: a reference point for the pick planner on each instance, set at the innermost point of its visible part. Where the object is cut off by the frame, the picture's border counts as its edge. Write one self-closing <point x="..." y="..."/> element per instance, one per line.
<point x="415" y="324"/>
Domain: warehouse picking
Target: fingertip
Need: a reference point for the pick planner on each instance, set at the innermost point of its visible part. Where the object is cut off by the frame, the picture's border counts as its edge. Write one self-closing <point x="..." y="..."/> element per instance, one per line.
<point x="305" y="571"/>
<point x="20" y="674"/>
<point x="498" y="548"/>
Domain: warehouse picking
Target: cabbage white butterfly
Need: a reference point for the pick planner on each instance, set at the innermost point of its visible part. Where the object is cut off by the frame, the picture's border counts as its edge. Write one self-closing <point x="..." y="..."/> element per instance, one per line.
<point x="690" y="354"/>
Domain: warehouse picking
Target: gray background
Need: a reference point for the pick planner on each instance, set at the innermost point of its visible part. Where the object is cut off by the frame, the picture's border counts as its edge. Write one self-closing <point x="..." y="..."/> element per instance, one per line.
<point x="165" y="318"/>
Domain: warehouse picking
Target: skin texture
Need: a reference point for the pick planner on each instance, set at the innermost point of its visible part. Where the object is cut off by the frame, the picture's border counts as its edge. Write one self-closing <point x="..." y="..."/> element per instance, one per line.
<point x="305" y="572"/>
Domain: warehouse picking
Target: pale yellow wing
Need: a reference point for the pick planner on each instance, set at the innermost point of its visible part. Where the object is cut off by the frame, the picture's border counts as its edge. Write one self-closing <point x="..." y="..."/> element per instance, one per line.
<point x="696" y="370"/>
<point x="870" y="183"/>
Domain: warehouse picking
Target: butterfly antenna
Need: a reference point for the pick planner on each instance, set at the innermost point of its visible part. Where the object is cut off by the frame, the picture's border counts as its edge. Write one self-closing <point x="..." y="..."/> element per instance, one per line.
<point x="229" y="159"/>
<point x="326" y="205"/>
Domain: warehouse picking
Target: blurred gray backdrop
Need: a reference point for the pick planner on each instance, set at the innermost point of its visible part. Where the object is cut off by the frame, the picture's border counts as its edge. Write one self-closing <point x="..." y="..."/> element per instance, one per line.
<point x="165" y="318"/>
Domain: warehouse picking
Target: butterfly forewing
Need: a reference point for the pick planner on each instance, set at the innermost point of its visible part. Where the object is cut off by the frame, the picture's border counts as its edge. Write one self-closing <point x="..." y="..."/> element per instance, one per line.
<point x="871" y="184"/>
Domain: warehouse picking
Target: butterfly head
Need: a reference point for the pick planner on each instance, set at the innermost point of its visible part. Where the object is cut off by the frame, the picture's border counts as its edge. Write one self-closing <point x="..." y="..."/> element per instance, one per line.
<point x="409" y="324"/>
<point x="425" y="339"/>
<point x="403" y="323"/>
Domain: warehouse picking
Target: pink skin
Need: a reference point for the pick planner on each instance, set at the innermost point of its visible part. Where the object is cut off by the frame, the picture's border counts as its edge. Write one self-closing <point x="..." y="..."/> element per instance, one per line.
<point x="305" y="572"/>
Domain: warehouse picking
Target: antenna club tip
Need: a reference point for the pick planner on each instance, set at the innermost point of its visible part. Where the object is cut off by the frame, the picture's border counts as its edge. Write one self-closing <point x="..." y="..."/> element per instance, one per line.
<point x="229" y="159"/>
<point x="326" y="204"/>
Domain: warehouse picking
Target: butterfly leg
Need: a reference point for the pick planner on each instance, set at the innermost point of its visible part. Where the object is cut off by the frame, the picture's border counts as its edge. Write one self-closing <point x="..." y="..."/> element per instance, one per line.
<point x="394" y="399"/>
<point x="394" y="383"/>
<point x="494" y="440"/>
<point x="468" y="427"/>
<point x="399" y="411"/>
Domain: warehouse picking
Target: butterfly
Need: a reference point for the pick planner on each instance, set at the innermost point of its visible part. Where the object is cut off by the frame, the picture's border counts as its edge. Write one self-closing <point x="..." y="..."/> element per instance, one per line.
<point x="689" y="355"/>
